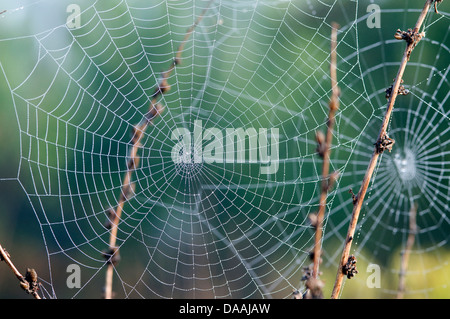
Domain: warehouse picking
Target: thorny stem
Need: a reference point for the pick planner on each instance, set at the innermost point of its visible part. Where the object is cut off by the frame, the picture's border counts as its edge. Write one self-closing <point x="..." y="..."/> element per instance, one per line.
<point x="24" y="283"/>
<point x="155" y="109"/>
<point x="325" y="152"/>
<point x="376" y="153"/>
<point x="406" y="253"/>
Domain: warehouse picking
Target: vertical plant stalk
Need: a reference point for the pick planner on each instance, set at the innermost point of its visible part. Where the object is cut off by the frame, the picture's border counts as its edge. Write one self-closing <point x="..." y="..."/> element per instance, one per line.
<point x="155" y="109"/>
<point x="407" y="251"/>
<point x="27" y="282"/>
<point x="412" y="37"/>
<point x="324" y="150"/>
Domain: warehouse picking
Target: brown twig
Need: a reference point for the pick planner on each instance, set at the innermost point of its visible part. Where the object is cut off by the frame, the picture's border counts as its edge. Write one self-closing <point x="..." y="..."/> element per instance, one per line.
<point x="383" y="142"/>
<point x="312" y="283"/>
<point x="324" y="145"/>
<point x="29" y="281"/>
<point x="435" y="5"/>
<point x="155" y="109"/>
<point x="407" y="251"/>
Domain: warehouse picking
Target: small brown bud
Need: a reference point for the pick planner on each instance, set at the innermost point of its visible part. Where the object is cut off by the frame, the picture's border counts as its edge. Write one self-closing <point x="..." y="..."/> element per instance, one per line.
<point x="2" y="258"/>
<point x="136" y="135"/>
<point x="110" y="216"/>
<point x="354" y="197"/>
<point x="133" y="163"/>
<point x="296" y="294"/>
<point x="399" y="34"/>
<point x="25" y="286"/>
<point x="128" y="190"/>
<point x="156" y="110"/>
<point x="313" y="219"/>
<point x="315" y="286"/>
<point x="112" y="256"/>
<point x="31" y="275"/>
<point x="333" y="178"/>
<point x="349" y="269"/>
<point x="321" y="145"/>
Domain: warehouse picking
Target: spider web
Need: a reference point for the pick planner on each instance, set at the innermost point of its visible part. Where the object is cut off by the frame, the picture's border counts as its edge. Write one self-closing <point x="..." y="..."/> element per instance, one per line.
<point x="225" y="228"/>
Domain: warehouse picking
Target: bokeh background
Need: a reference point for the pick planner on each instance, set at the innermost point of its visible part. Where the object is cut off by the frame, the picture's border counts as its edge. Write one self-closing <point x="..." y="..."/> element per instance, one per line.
<point x="69" y="96"/>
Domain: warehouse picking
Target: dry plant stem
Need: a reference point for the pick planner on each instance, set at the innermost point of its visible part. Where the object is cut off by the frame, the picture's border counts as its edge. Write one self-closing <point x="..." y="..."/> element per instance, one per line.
<point x="333" y="106"/>
<point x="407" y="252"/>
<point x="373" y="161"/>
<point x="365" y="183"/>
<point x="7" y="259"/>
<point x="155" y="109"/>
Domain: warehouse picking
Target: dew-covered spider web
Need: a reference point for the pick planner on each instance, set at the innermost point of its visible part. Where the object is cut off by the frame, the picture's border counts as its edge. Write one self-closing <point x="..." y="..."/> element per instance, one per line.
<point x="226" y="216"/>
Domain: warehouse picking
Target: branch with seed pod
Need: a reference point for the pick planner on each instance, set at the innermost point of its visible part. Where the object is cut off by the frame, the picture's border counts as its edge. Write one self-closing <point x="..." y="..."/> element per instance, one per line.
<point x="111" y="255"/>
<point x="324" y="145"/>
<point x="411" y="37"/>
<point x="29" y="282"/>
<point x="324" y="141"/>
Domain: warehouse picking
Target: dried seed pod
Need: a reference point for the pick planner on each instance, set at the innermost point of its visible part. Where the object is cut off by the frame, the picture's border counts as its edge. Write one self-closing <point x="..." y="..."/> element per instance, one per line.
<point x="402" y="90"/>
<point x="349" y="269"/>
<point x="435" y="5"/>
<point x="163" y="86"/>
<point x="25" y="286"/>
<point x="313" y="220"/>
<point x="156" y="110"/>
<point x="296" y="294"/>
<point x="136" y="135"/>
<point x="315" y="286"/>
<point x="31" y="284"/>
<point x="384" y="143"/>
<point x="332" y="180"/>
<point x="133" y="162"/>
<point x="399" y="34"/>
<point x="110" y="215"/>
<point x="321" y="145"/>
<point x="307" y="273"/>
<point x="2" y="258"/>
<point x="31" y="275"/>
<point x="311" y="256"/>
<point x="320" y="137"/>
<point x="354" y="197"/>
<point x="128" y="190"/>
<point x="112" y="256"/>
<point x="334" y="101"/>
